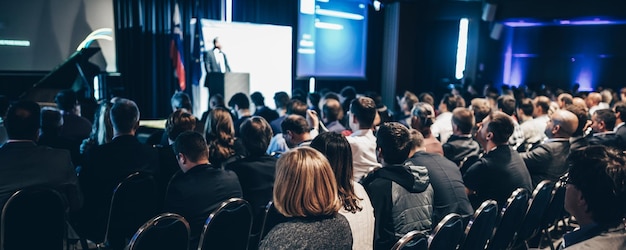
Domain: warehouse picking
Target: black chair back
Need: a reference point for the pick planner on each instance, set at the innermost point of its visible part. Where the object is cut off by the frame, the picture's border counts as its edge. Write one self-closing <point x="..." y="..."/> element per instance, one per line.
<point x="228" y="227"/>
<point x="448" y="233"/>
<point x="413" y="240"/>
<point x="480" y="228"/>
<point x="556" y="208"/>
<point x="510" y="217"/>
<point x="34" y="218"/>
<point x="134" y="201"/>
<point x="165" y="231"/>
<point x="538" y="204"/>
<point x="271" y="218"/>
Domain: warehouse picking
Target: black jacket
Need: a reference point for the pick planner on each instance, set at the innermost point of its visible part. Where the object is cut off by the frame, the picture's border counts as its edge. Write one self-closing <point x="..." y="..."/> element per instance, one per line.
<point x="460" y="148"/>
<point x="547" y="161"/>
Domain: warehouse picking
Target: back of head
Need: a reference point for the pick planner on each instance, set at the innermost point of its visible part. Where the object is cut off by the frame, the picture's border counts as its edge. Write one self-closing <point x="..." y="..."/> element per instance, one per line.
<point x="179" y="121"/>
<point x="296" y="107"/>
<point x="593" y="99"/>
<point x="543" y="102"/>
<point x="239" y="99"/>
<point x="378" y="99"/>
<point x="567" y="121"/>
<point x="216" y="100"/>
<point x="481" y="108"/>
<point x="410" y="99"/>
<point x="258" y="99"/>
<point x="332" y="110"/>
<point x="607" y="95"/>
<point x="51" y="120"/>
<point x="582" y="115"/>
<point x="506" y="104"/>
<point x="124" y="116"/>
<point x="427" y="98"/>
<point x="348" y="92"/>
<point x="256" y="134"/>
<point x="66" y="100"/>
<point x="22" y="121"/>
<point x="180" y="100"/>
<point x="425" y="113"/>
<point x="608" y="117"/>
<point x="220" y="133"/>
<point x="305" y="185"/>
<point x="452" y="101"/>
<point x="192" y="145"/>
<point x="337" y="150"/>
<point x="566" y="99"/>
<point x="463" y="118"/>
<point x="394" y="142"/>
<point x="501" y="125"/>
<point x="281" y="99"/>
<point x="417" y="139"/>
<point x="620" y="108"/>
<point x="364" y="110"/>
<point x="599" y="173"/>
<point x="295" y="123"/>
<point x="527" y="107"/>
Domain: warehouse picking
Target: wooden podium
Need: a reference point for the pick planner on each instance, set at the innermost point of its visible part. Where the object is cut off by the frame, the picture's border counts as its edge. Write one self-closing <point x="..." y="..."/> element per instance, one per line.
<point x="227" y="84"/>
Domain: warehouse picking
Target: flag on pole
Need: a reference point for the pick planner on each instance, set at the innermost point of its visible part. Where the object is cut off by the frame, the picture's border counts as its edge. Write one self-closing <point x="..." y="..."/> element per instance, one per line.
<point x="197" y="52"/>
<point x="176" y="48"/>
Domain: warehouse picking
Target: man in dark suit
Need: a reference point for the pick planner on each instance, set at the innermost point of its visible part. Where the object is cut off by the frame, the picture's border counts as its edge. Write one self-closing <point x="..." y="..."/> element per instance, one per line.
<point x="602" y="125"/>
<point x="24" y="164"/>
<point x="501" y="170"/>
<point x="548" y="160"/>
<point x="199" y="188"/>
<point x="260" y="109"/>
<point x="461" y="148"/>
<point x="108" y="164"/>
<point x="74" y="126"/>
<point x="620" y="114"/>
<point x="215" y="60"/>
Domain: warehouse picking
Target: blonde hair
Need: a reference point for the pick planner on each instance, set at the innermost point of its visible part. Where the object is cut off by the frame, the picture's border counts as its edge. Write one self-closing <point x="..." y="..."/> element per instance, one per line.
<point x="305" y="184"/>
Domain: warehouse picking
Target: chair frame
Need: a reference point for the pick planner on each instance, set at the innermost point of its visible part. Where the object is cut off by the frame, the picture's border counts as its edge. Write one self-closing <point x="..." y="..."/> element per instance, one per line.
<point x="528" y="233"/>
<point x="133" y="176"/>
<point x="479" y="211"/>
<point x="223" y="206"/>
<point x="407" y="238"/>
<point x="443" y="224"/>
<point x="154" y="221"/>
<point x="517" y="194"/>
<point x="27" y="191"/>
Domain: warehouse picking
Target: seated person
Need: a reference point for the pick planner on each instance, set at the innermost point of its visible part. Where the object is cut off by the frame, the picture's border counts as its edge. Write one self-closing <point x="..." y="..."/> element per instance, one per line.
<point x="199" y="187"/>
<point x="461" y="147"/>
<point x="306" y="191"/>
<point x="596" y="196"/>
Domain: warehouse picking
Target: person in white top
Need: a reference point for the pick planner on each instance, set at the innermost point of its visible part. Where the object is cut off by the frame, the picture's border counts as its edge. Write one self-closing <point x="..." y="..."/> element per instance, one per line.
<point x="362" y="140"/>
<point x="442" y="127"/>
<point x="356" y="205"/>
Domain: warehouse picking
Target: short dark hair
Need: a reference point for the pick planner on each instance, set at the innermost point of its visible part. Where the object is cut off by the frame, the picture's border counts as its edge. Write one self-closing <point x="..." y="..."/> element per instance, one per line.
<point x="239" y="99"/>
<point x="583" y="117"/>
<point x="452" y="101"/>
<point x="22" y="121"/>
<point x="527" y="107"/>
<point x="501" y="125"/>
<point x="281" y="99"/>
<point x="332" y="112"/>
<point x="394" y="141"/>
<point x="258" y="99"/>
<point x="255" y="134"/>
<point x="179" y="121"/>
<point x="294" y="123"/>
<point x="608" y="117"/>
<point x="296" y="107"/>
<point x="51" y="120"/>
<point x="463" y="119"/>
<point x="507" y="104"/>
<point x="124" y="115"/>
<point x="543" y="102"/>
<point x="192" y="145"/>
<point x="66" y="100"/>
<point x="599" y="173"/>
<point x="620" y="108"/>
<point x="181" y="100"/>
<point x="364" y="109"/>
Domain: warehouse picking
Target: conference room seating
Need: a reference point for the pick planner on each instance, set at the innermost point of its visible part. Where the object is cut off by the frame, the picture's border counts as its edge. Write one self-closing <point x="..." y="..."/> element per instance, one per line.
<point x="34" y="218"/>
<point x="538" y="204"/>
<point x="510" y="216"/>
<point x="271" y="218"/>
<point x="413" y="240"/>
<point x="554" y="213"/>
<point x="448" y="233"/>
<point x="164" y="231"/>
<point x="228" y="227"/>
<point x="480" y="228"/>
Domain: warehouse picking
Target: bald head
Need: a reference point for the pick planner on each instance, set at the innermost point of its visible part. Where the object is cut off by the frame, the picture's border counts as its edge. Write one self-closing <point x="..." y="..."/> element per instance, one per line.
<point x="593" y="99"/>
<point x="564" y="124"/>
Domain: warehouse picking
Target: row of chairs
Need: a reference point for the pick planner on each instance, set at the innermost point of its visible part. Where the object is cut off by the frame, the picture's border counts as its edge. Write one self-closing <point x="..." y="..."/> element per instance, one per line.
<point x="522" y="218"/>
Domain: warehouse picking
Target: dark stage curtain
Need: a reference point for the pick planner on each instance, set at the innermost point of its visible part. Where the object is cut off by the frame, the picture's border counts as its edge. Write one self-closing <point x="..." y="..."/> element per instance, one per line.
<point x="143" y="37"/>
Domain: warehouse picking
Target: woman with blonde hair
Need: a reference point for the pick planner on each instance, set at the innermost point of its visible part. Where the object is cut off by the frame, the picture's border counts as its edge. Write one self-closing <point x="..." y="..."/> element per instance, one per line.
<point x="305" y="190"/>
<point x="220" y="136"/>
<point x="356" y="205"/>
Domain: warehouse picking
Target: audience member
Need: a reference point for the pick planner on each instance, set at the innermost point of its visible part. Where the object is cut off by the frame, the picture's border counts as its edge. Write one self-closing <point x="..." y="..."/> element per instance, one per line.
<point x="501" y="170"/>
<point x="401" y="194"/>
<point x="564" y="99"/>
<point x="593" y="102"/>
<point x="406" y="103"/>
<point x="296" y="131"/>
<point x="362" y="140"/>
<point x="357" y="207"/>
<point x="260" y="109"/>
<point x="442" y="127"/>
<point x="602" y="125"/>
<point x="578" y="139"/>
<point x="427" y="98"/>
<point x="278" y="144"/>
<point x="306" y="191"/>
<point x="525" y="111"/>
<point x="25" y="164"/>
<point x="481" y="109"/>
<point x="199" y="187"/>
<point x="385" y="114"/>
<point x="506" y="104"/>
<point x="108" y="164"/>
<point x="444" y="176"/>
<point x="348" y="93"/>
<point x="241" y="105"/>
<point x="422" y="117"/>
<point x="281" y="100"/>
<point x="332" y="114"/>
<point x="102" y="129"/>
<point x="50" y="134"/>
<point x="461" y="148"/>
<point x="596" y="197"/>
<point x="220" y="136"/>
<point x="548" y="160"/>
<point x="74" y="126"/>
<point x="256" y="170"/>
<point x="620" y="119"/>
<point x="215" y="101"/>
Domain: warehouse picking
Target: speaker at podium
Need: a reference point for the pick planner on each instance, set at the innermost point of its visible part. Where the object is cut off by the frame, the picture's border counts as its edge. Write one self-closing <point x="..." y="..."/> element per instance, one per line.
<point x="227" y="84"/>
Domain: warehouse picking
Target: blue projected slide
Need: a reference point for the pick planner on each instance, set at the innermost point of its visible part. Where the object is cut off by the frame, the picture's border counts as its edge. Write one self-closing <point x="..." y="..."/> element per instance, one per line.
<point x="331" y="38"/>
